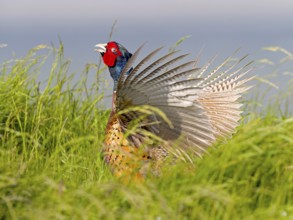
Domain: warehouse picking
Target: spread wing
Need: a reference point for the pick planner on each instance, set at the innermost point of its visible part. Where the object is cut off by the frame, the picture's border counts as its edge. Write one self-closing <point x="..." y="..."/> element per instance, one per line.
<point x="200" y="105"/>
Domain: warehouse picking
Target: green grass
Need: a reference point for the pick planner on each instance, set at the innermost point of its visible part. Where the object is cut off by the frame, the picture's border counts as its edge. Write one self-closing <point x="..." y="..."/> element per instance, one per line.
<point x="51" y="165"/>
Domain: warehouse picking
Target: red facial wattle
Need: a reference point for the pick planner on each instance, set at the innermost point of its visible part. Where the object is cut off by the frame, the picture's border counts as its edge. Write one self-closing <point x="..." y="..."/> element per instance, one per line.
<point x="109" y="59"/>
<point x="111" y="54"/>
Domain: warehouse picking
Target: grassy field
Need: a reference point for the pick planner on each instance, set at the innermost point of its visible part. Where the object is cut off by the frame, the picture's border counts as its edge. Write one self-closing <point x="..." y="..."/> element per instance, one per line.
<point x="51" y="165"/>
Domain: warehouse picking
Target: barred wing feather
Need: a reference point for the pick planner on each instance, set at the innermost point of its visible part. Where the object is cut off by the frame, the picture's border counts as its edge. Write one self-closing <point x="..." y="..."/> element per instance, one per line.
<point x="201" y="105"/>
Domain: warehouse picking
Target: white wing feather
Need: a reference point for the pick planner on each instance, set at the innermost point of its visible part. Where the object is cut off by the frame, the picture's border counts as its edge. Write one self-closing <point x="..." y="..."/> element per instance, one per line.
<point x="201" y="105"/>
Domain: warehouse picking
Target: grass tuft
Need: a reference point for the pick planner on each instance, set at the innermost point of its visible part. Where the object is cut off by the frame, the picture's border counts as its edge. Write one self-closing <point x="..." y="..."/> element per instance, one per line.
<point x="51" y="165"/>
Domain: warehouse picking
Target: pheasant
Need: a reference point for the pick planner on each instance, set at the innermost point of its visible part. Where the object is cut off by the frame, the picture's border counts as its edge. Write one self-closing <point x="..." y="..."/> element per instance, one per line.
<point x="179" y="109"/>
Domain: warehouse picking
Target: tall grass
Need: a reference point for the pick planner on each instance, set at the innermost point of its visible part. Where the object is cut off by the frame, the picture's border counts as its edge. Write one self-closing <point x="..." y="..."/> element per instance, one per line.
<point x="51" y="165"/>
<point x="274" y="91"/>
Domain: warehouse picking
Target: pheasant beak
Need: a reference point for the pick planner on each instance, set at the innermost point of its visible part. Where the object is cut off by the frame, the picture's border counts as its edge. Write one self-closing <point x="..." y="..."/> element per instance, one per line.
<point x="101" y="48"/>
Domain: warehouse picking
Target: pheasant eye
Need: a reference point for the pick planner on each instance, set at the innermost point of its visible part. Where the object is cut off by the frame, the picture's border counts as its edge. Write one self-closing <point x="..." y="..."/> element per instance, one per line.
<point x="114" y="50"/>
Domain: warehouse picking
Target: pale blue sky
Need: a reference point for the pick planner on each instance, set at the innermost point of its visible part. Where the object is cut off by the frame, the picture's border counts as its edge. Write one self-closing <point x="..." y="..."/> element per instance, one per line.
<point x="92" y="11"/>
<point x="216" y="24"/>
<point x="220" y="26"/>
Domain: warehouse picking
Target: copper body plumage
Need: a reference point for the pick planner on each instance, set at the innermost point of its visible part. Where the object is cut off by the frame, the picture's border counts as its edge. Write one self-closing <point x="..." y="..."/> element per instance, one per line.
<point x="194" y="107"/>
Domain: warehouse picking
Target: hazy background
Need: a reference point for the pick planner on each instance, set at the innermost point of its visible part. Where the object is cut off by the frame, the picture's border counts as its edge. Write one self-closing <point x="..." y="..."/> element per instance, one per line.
<point x="219" y="26"/>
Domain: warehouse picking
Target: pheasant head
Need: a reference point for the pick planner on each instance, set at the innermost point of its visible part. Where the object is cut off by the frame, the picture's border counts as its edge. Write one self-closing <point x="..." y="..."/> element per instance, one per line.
<point x="115" y="56"/>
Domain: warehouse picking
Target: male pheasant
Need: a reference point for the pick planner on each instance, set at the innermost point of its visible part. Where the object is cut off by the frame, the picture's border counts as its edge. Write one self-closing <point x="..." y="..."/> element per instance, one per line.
<point x="189" y="108"/>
